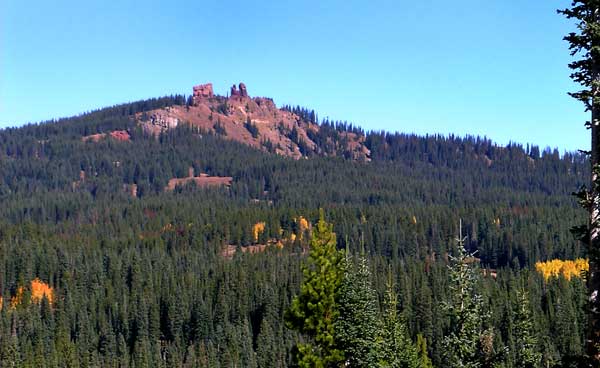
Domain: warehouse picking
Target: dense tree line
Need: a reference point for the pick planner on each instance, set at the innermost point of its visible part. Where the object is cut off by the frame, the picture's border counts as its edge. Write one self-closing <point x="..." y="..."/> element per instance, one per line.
<point x="143" y="281"/>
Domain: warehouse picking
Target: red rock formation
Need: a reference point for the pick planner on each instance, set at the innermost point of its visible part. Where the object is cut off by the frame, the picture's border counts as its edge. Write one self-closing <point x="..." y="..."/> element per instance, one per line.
<point x="243" y="90"/>
<point x="234" y="91"/>
<point x="202" y="91"/>
<point x="273" y="131"/>
<point x="120" y="135"/>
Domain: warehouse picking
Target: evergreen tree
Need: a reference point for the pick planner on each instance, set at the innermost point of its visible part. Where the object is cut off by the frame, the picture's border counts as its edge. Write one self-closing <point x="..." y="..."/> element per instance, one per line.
<point x="9" y="352"/>
<point x="267" y="346"/>
<point x="527" y="354"/>
<point x="314" y="311"/>
<point x="424" y="360"/>
<point x="586" y="72"/>
<point x="396" y="350"/>
<point x="356" y="326"/>
<point x="462" y="345"/>
<point x="146" y="279"/>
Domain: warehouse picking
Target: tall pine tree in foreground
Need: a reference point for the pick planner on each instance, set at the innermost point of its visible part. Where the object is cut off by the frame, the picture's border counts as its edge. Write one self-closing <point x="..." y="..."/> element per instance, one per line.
<point x="314" y="311"/>
<point x="585" y="42"/>
<point x="466" y="345"/>
<point x="356" y="327"/>
<point x="527" y="354"/>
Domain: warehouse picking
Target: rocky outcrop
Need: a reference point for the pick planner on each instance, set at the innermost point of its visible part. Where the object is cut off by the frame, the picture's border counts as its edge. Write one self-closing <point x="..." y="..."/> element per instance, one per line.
<point x="119" y="135"/>
<point x="159" y="121"/>
<point x="242" y="92"/>
<point x="257" y="122"/>
<point x="202" y="91"/>
<point x="164" y="121"/>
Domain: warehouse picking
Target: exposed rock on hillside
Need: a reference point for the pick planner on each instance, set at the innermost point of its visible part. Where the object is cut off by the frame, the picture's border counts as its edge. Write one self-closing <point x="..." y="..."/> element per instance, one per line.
<point x="254" y="121"/>
<point x="202" y="91"/>
<point x="120" y="135"/>
<point x="243" y="92"/>
<point x="159" y="121"/>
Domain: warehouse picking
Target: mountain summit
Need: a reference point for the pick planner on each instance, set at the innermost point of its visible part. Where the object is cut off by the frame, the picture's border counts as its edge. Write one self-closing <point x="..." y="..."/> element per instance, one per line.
<point x="257" y="122"/>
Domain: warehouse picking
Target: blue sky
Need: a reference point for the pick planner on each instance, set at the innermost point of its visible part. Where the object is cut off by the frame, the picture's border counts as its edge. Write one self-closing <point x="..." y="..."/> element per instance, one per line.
<point x="494" y="68"/>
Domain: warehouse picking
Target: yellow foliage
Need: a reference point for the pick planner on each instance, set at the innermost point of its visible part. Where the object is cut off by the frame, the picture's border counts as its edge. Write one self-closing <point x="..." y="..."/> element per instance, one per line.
<point x="39" y="289"/>
<point x="497" y="222"/>
<point x="302" y="224"/>
<point x="414" y="220"/>
<point x="292" y="237"/>
<point x="557" y="267"/>
<point x="1" y="302"/>
<point x="258" y="229"/>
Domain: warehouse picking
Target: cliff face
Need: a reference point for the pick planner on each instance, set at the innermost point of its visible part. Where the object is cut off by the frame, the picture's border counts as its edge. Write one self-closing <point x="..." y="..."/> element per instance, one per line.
<point x="254" y="121"/>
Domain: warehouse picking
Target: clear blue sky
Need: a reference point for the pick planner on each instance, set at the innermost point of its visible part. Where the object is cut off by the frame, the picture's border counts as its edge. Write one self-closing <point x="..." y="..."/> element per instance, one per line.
<point x="494" y="67"/>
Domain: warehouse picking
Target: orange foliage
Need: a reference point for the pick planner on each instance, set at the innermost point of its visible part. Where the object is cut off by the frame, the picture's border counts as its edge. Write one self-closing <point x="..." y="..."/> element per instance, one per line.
<point x="557" y="267"/>
<point x="39" y="289"/>
<point x="302" y="224"/>
<point x="258" y="229"/>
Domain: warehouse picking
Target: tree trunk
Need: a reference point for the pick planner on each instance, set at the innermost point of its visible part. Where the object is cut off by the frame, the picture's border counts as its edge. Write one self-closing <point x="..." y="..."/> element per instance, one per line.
<point x="593" y="343"/>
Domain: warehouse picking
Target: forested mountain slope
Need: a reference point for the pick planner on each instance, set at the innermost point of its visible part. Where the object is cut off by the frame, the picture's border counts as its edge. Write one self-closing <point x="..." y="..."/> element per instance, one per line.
<point x="139" y="273"/>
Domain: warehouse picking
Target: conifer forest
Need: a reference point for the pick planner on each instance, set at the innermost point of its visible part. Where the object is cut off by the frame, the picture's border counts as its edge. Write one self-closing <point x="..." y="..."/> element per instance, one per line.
<point x="131" y="237"/>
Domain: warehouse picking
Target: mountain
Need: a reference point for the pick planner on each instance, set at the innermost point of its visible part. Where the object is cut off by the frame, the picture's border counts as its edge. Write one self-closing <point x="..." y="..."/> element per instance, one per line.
<point x="252" y="150"/>
<point x="254" y="121"/>
<point x="170" y="231"/>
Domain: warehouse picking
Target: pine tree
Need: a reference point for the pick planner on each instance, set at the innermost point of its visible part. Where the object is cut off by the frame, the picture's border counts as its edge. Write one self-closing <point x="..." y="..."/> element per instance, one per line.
<point x="266" y="345"/>
<point x="313" y="313"/>
<point x="462" y="344"/>
<point x="9" y="351"/>
<point x="396" y="350"/>
<point x="424" y="360"/>
<point x="586" y="72"/>
<point x="527" y="354"/>
<point x="356" y="326"/>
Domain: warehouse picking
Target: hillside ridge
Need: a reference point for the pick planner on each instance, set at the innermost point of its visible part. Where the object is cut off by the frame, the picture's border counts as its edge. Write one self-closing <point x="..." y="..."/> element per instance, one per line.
<point x="256" y="122"/>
